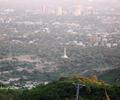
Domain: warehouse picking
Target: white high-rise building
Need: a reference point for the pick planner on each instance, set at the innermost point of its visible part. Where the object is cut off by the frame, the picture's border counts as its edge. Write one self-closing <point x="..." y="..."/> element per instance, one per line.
<point x="78" y="8"/>
<point x="65" y="54"/>
<point x="59" y="11"/>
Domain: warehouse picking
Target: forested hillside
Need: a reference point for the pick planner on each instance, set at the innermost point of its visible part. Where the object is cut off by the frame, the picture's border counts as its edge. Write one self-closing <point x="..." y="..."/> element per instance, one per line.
<point x="65" y="89"/>
<point x="111" y="76"/>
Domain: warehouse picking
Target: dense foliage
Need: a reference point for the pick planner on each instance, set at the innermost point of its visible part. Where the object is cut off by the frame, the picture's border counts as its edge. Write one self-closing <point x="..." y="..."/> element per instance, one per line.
<point x="65" y="89"/>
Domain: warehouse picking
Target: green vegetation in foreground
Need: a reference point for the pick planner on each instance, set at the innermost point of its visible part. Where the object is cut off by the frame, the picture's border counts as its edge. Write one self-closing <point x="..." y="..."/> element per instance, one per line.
<point x="64" y="89"/>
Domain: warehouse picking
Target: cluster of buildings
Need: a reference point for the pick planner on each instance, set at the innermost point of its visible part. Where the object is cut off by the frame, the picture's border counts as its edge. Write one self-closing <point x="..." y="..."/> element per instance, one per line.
<point x="30" y="30"/>
<point x="15" y="84"/>
<point x="76" y="9"/>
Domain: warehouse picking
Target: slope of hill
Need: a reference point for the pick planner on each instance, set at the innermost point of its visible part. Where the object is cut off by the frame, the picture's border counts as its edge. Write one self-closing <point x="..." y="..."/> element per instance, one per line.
<point x="50" y="66"/>
<point x="111" y="76"/>
<point x="65" y="89"/>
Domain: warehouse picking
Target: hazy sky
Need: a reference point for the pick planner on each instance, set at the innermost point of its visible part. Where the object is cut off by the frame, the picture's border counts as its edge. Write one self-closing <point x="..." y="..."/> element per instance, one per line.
<point x="33" y="3"/>
<point x="37" y="3"/>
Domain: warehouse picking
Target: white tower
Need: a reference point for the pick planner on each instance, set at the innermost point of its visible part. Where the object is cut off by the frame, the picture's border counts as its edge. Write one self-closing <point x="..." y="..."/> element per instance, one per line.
<point x="65" y="54"/>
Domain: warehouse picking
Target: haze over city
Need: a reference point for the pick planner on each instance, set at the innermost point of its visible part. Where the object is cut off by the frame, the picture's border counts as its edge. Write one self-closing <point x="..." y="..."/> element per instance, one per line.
<point x="59" y="49"/>
<point x="53" y="3"/>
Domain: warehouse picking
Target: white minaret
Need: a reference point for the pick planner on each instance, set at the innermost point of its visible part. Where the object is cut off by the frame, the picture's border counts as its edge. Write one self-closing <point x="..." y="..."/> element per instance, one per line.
<point x="65" y="54"/>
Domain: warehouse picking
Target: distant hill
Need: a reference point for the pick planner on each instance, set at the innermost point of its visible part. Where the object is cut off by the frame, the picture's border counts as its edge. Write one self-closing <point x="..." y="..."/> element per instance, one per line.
<point x="49" y="66"/>
<point x="111" y="76"/>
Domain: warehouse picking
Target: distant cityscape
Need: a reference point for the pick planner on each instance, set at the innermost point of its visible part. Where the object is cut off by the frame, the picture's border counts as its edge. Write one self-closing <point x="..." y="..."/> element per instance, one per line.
<point x="12" y="21"/>
<point x="51" y="28"/>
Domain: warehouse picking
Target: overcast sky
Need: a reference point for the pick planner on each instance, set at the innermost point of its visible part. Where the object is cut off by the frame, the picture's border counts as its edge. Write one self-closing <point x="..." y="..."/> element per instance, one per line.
<point x="36" y="3"/>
